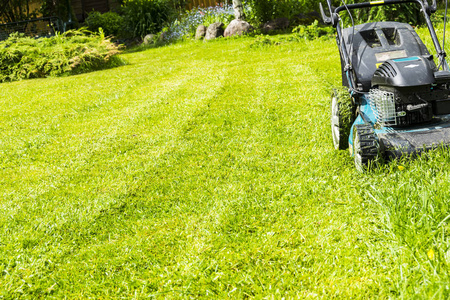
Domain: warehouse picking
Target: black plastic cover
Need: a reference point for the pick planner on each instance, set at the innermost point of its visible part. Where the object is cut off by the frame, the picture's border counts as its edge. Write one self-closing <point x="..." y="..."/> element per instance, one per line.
<point x="372" y="44"/>
<point x="441" y="107"/>
<point x="442" y="76"/>
<point x="405" y="72"/>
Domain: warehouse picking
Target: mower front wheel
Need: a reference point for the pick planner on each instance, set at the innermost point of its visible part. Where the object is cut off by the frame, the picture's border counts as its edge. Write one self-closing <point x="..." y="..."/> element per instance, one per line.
<point x="342" y="117"/>
<point x="365" y="147"/>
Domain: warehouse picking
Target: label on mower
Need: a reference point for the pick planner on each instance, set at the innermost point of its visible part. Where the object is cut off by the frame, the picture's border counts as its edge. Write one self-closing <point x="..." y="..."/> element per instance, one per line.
<point x="384" y="56"/>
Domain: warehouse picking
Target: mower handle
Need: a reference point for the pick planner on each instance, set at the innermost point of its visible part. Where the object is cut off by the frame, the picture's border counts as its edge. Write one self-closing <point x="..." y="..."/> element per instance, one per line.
<point x="429" y="9"/>
<point x="334" y="17"/>
<point x="325" y="18"/>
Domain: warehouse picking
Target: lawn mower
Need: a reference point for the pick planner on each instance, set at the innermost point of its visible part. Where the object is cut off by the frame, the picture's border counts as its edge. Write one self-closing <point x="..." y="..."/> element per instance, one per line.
<point x="394" y="99"/>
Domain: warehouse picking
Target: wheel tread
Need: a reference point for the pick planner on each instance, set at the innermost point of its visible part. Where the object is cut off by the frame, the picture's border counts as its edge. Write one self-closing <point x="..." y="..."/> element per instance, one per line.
<point x="368" y="145"/>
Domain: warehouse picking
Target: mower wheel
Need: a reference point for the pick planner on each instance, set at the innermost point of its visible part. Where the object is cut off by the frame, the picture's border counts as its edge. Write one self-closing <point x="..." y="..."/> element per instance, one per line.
<point x="342" y="117"/>
<point x="365" y="147"/>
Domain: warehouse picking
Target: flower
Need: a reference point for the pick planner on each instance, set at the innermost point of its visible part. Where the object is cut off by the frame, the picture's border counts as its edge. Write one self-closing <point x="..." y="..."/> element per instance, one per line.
<point x="430" y="254"/>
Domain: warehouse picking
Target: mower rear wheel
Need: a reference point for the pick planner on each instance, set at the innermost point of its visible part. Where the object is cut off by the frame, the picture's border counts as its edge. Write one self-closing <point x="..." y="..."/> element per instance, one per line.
<point x="365" y="147"/>
<point x="342" y="117"/>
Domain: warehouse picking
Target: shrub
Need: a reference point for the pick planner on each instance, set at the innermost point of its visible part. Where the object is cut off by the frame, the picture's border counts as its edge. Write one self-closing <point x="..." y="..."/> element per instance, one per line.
<point x="146" y="16"/>
<point x="261" y="11"/>
<point x="16" y="10"/>
<point x="406" y="12"/>
<point x="69" y="53"/>
<point x="313" y="31"/>
<point x="110" y="22"/>
<point x="223" y="13"/>
<point x="184" y="26"/>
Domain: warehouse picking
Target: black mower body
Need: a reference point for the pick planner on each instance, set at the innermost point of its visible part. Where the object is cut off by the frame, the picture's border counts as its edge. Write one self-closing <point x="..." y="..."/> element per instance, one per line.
<point x="372" y="44"/>
<point x="399" y="95"/>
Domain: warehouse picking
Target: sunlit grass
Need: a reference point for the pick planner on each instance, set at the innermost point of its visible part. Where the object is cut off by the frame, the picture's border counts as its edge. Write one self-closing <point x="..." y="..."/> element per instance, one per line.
<point x="207" y="170"/>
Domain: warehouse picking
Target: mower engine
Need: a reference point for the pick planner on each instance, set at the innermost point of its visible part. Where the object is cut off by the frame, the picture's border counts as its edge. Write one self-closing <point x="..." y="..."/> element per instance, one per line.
<point x="409" y="91"/>
<point x="399" y="95"/>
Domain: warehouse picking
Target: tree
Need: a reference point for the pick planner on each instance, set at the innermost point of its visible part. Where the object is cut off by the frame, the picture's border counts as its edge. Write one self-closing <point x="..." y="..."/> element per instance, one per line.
<point x="238" y="10"/>
<point x="16" y="10"/>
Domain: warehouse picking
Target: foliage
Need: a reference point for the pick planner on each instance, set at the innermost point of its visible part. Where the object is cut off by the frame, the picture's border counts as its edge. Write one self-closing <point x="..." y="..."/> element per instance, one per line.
<point x="438" y="18"/>
<point x="186" y="24"/>
<point x="219" y="13"/>
<point x="179" y="5"/>
<point x="146" y="16"/>
<point x="313" y="31"/>
<point x="61" y="9"/>
<point x="16" y="10"/>
<point x="111" y="23"/>
<point x="407" y="13"/>
<point x="301" y="33"/>
<point x="69" y="53"/>
<point x="263" y="41"/>
<point x="261" y="11"/>
<point x="19" y="10"/>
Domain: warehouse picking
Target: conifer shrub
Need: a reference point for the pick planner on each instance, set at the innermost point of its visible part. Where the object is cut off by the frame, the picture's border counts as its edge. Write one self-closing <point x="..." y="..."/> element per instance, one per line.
<point x="76" y="51"/>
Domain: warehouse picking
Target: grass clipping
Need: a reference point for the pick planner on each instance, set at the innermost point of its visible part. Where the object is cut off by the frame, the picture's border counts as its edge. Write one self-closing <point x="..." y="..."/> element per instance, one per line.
<point x="73" y="52"/>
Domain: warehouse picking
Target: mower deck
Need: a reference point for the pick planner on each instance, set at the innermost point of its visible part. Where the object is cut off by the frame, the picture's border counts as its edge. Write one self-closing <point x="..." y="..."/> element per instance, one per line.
<point x="410" y="141"/>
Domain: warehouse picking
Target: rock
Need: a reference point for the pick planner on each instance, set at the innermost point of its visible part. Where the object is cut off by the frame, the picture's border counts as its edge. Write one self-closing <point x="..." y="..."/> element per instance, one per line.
<point x="201" y="32"/>
<point x="277" y="24"/>
<point x="237" y="27"/>
<point x="149" y="39"/>
<point x="214" y="31"/>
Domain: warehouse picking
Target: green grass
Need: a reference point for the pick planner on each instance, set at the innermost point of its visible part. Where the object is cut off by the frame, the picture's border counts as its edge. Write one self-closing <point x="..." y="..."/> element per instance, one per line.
<point x="206" y="170"/>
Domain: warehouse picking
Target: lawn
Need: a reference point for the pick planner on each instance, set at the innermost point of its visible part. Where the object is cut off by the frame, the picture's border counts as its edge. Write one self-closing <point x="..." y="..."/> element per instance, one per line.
<point x="206" y="170"/>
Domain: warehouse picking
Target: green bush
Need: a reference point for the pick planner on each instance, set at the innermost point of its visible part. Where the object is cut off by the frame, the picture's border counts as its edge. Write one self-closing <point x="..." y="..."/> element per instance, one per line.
<point x="147" y="16"/>
<point x="261" y="11"/>
<point x="406" y="12"/>
<point x="16" y="10"/>
<point x="223" y="14"/>
<point x="70" y="53"/>
<point x="313" y="31"/>
<point x="110" y="22"/>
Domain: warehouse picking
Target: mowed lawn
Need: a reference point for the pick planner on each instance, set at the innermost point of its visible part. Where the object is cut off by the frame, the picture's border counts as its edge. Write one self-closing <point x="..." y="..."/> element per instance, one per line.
<point x="206" y="170"/>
